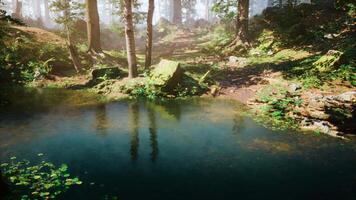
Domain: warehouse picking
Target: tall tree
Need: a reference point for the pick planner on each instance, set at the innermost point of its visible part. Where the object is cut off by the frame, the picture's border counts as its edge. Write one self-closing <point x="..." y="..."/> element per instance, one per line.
<point x="36" y="9"/>
<point x="93" y="26"/>
<point x="69" y="15"/>
<point x="177" y="12"/>
<point x="130" y="39"/>
<point x="241" y="39"/>
<point x="17" y="9"/>
<point x="47" y="19"/>
<point x="151" y="7"/>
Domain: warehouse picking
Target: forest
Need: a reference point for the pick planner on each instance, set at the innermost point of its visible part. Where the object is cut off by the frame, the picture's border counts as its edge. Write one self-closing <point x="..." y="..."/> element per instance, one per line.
<point x="172" y="99"/>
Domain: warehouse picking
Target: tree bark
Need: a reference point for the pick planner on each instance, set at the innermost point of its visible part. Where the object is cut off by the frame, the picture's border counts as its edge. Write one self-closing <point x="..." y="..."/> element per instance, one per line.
<point x="71" y="47"/>
<point x="46" y="11"/>
<point x="130" y="39"/>
<point x="177" y="12"/>
<point x="17" y="9"/>
<point x="93" y="26"/>
<point x="242" y="24"/>
<point x="151" y="8"/>
<point x="36" y="8"/>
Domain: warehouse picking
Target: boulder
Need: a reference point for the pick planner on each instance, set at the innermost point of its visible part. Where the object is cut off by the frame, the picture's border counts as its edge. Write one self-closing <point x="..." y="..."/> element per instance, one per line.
<point x="106" y="73"/>
<point x="329" y="61"/>
<point x="294" y="87"/>
<point x="166" y="75"/>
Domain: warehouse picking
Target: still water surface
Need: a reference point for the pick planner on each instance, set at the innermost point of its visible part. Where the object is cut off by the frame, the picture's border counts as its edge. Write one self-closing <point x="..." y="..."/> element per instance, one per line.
<point x="186" y="149"/>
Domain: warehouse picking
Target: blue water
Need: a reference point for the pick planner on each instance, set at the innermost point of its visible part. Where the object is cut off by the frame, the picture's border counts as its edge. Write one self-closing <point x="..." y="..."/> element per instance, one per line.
<point x="182" y="149"/>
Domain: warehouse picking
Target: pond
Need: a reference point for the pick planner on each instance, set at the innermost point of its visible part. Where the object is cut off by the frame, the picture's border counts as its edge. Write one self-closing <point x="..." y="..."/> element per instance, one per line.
<point x="179" y="149"/>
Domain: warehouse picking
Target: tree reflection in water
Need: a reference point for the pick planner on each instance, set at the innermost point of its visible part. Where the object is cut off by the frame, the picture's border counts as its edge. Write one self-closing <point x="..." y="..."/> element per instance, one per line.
<point x="134" y="118"/>
<point x="101" y="121"/>
<point x="153" y="133"/>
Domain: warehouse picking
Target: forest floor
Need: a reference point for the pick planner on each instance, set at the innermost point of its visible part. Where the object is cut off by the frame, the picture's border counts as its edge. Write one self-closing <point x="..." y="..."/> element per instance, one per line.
<point x="233" y="77"/>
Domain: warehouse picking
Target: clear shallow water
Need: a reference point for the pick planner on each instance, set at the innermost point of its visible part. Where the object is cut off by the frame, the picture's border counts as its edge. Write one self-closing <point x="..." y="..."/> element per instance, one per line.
<point x="191" y="149"/>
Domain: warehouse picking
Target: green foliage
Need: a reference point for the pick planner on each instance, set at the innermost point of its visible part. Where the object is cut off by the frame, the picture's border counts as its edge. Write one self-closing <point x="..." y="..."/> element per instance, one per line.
<point x="40" y="181"/>
<point x="225" y="9"/>
<point x="277" y="104"/>
<point x="218" y="39"/>
<point x="23" y="59"/>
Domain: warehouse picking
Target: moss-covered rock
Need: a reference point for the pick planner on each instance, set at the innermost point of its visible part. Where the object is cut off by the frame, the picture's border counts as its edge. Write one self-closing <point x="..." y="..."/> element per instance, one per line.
<point x="329" y="61"/>
<point x="106" y="73"/>
<point x="166" y="75"/>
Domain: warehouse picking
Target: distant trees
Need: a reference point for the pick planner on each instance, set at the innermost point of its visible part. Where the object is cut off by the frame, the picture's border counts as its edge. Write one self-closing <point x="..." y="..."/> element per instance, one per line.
<point x="93" y="26"/>
<point x="151" y="7"/>
<point x="177" y="12"/>
<point x="17" y="9"/>
<point x="130" y="38"/>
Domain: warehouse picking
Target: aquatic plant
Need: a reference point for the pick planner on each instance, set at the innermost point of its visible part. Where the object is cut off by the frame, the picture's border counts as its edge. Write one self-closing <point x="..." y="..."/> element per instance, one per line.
<point x="37" y="181"/>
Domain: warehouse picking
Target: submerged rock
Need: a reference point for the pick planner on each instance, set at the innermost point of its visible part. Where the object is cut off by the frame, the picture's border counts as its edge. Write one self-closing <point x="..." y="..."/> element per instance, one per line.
<point x="166" y="75"/>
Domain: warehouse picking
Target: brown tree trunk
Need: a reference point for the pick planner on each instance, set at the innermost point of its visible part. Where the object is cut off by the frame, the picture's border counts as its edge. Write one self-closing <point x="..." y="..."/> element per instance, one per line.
<point x="130" y="39"/>
<point x="17" y="9"/>
<point x="241" y="39"/>
<point x="72" y="51"/>
<point x="93" y="26"/>
<point x="177" y="12"/>
<point x="151" y="7"/>
<point x="71" y="47"/>
<point x="46" y="11"/>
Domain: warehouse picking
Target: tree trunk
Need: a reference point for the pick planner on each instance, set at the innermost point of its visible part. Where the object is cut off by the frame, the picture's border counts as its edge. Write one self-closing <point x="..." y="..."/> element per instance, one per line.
<point x="130" y="39"/>
<point x="71" y="47"/>
<point x="177" y="12"/>
<point x="72" y="51"/>
<point x="17" y="9"/>
<point x="242" y="21"/>
<point x="93" y="26"/>
<point x="36" y="8"/>
<point x="47" y="19"/>
<point x="151" y="8"/>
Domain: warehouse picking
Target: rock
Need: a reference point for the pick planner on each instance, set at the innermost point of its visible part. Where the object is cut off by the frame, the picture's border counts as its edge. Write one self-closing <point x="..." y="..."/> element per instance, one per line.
<point x="329" y="61"/>
<point x="166" y="75"/>
<point x="214" y="90"/>
<point x="233" y="59"/>
<point x="347" y="97"/>
<point x="320" y="126"/>
<point x="237" y="61"/>
<point x="294" y="87"/>
<point x="106" y="73"/>
<point x="127" y="86"/>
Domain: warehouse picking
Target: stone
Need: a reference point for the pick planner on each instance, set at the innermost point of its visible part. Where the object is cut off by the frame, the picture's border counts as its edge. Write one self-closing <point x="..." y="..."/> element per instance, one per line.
<point x="294" y="87"/>
<point x="106" y="73"/>
<point x="317" y="125"/>
<point x="233" y="59"/>
<point x="329" y="61"/>
<point x="237" y="61"/>
<point x="166" y="75"/>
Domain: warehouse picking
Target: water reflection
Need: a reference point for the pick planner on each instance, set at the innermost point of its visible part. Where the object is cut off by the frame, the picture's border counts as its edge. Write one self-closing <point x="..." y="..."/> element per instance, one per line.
<point x="101" y="122"/>
<point x="152" y="127"/>
<point x="134" y="118"/>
